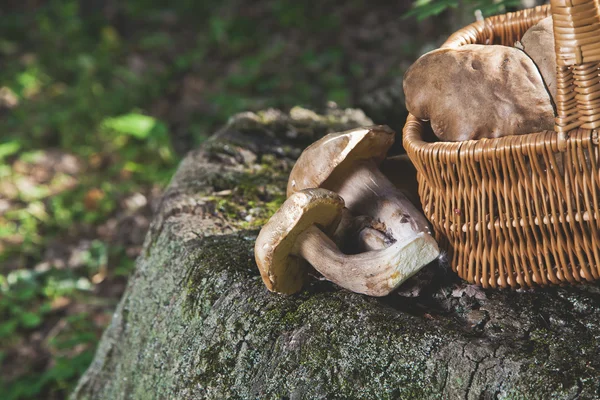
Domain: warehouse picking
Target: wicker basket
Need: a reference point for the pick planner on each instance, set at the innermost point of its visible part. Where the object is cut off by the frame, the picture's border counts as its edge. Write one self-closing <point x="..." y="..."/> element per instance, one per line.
<point x="523" y="211"/>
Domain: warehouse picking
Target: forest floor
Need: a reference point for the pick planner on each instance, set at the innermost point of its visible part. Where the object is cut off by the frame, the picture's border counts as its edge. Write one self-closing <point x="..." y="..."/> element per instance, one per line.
<point x="99" y="100"/>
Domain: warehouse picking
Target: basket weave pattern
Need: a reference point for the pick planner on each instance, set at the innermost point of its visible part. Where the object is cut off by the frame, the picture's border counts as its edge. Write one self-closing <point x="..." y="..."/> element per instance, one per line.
<point x="577" y="37"/>
<point x="521" y="211"/>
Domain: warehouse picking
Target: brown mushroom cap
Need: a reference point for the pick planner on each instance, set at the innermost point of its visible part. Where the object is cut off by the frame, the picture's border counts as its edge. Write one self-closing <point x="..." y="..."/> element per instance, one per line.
<point x="323" y="157"/>
<point x="478" y="91"/>
<point x="281" y="271"/>
<point x="538" y="43"/>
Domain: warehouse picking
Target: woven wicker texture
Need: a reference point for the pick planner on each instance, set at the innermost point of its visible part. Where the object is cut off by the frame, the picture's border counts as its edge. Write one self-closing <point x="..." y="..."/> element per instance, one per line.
<point x="577" y="37"/>
<point x="516" y="211"/>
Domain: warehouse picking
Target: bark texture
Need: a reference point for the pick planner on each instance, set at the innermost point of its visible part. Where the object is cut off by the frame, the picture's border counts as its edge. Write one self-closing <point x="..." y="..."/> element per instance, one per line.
<point x="196" y="321"/>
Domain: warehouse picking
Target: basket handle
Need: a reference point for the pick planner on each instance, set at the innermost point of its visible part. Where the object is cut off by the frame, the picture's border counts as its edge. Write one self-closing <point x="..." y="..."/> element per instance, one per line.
<point x="577" y="46"/>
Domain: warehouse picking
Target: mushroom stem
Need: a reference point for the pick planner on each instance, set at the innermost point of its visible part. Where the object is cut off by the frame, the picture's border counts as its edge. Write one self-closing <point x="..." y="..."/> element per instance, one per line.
<point x="374" y="273"/>
<point x="371" y="239"/>
<point x="357" y="234"/>
<point x="367" y="191"/>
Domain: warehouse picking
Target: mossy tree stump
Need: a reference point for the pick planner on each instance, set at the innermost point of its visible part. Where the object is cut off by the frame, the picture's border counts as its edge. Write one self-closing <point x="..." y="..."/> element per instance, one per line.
<point x="197" y="322"/>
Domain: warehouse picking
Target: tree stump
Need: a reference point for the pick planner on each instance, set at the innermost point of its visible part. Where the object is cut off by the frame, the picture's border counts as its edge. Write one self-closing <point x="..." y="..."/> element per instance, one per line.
<point x="196" y="321"/>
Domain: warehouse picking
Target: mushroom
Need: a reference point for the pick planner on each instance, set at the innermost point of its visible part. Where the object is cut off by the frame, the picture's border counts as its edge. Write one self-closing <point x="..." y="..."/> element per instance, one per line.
<point x="538" y="43"/>
<point x="359" y="234"/>
<point x="369" y="239"/>
<point x="298" y="233"/>
<point x="478" y="91"/>
<point x="347" y="163"/>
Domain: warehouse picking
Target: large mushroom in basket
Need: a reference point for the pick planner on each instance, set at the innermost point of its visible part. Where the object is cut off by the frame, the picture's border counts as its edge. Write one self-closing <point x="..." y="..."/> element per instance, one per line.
<point x="483" y="91"/>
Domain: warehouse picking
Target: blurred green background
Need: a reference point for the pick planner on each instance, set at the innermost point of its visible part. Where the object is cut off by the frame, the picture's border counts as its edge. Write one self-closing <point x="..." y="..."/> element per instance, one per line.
<point x="99" y="100"/>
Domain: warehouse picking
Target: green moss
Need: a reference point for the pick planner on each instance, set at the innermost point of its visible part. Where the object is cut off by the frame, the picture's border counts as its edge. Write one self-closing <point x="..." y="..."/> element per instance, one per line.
<point x="229" y="209"/>
<point x="215" y="256"/>
<point x="250" y="198"/>
<point x="314" y="319"/>
<point x="223" y="147"/>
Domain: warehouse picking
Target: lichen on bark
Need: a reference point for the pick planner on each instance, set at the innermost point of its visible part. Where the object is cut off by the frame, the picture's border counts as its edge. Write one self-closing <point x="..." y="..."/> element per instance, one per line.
<point x="196" y="321"/>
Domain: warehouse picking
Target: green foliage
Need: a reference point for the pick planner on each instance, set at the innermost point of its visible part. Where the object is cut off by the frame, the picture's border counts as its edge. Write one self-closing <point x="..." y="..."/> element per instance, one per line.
<point x="68" y="87"/>
<point x="9" y="148"/>
<point x="423" y="9"/>
<point x="26" y="299"/>
<point x="136" y="125"/>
